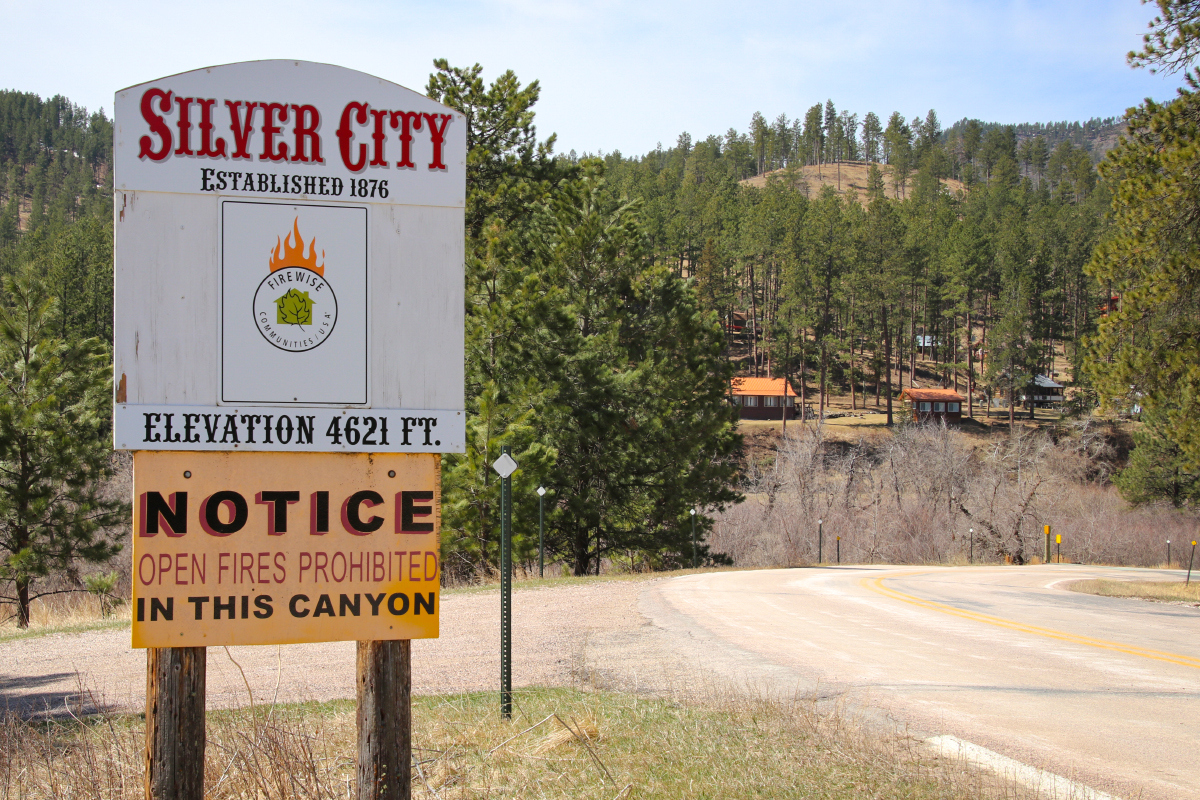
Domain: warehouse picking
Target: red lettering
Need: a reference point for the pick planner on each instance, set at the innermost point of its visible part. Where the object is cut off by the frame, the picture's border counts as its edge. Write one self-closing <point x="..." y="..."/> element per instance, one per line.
<point x="181" y="566"/>
<point x="241" y="129"/>
<point x="199" y="568"/>
<point x="206" y="128"/>
<point x="431" y="575"/>
<point x="379" y="137"/>
<point x="319" y="564"/>
<point x="270" y="129"/>
<point x="141" y="572"/>
<point x="157" y="125"/>
<point x="185" y="126"/>
<point x="346" y="136"/>
<point x="407" y="122"/>
<point x="245" y="567"/>
<point x="305" y="564"/>
<point x="377" y="573"/>
<point x="308" y="119"/>
<point x="280" y="569"/>
<point x="164" y="565"/>
<point x="221" y="568"/>
<point x="261" y="566"/>
<point x="437" y="135"/>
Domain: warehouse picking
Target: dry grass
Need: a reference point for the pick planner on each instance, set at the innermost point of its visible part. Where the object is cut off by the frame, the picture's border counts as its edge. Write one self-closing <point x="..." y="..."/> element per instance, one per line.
<point x="560" y="743"/>
<point x="67" y="613"/>
<point x="853" y="178"/>
<point x="1163" y="591"/>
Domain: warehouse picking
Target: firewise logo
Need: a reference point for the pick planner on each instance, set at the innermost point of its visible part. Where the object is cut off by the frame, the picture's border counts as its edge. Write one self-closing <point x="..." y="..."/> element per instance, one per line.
<point x="294" y="307"/>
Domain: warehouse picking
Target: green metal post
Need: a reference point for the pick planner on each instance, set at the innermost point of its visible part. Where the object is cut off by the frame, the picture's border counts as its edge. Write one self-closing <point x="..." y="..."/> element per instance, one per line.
<point x="1191" y="558"/>
<point x="541" y="532"/>
<point x="695" y="559"/>
<point x="839" y="549"/>
<point x="506" y="594"/>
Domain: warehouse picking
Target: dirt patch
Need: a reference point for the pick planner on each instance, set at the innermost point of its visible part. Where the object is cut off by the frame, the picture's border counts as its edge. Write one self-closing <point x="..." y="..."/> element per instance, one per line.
<point x="844" y="178"/>
<point x="559" y="633"/>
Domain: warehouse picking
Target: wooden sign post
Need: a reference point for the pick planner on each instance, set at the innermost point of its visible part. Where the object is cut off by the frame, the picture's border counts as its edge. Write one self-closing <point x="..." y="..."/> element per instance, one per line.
<point x="175" y="722"/>
<point x="288" y="368"/>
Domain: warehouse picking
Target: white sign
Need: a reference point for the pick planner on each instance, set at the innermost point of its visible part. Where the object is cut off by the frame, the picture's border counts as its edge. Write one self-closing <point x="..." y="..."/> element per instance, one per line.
<point x="504" y="465"/>
<point x="293" y="309"/>
<point x="289" y="247"/>
<point x="287" y="129"/>
<point x="282" y="429"/>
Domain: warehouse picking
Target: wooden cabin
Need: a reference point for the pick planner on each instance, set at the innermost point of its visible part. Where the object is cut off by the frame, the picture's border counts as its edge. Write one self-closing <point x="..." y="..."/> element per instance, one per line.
<point x="763" y="398"/>
<point x="1044" y="392"/>
<point x="934" y="405"/>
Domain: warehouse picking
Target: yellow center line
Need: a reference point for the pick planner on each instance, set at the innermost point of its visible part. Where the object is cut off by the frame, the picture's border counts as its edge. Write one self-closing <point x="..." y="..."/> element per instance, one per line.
<point x="876" y="585"/>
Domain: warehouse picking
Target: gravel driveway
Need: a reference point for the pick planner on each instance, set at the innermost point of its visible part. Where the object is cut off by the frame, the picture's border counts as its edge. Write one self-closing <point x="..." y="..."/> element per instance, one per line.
<point x="562" y="635"/>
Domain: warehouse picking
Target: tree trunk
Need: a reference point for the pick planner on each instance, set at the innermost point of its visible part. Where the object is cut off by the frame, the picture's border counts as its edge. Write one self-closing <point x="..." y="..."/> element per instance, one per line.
<point x="753" y="324"/>
<point x="887" y="359"/>
<point x="803" y="371"/>
<point x="582" y="549"/>
<point x="970" y="369"/>
<point x="22" y="603"/>
<point x="821" y="389"/>
<point x="912" y="338"/>
<point x="853" y="362"/>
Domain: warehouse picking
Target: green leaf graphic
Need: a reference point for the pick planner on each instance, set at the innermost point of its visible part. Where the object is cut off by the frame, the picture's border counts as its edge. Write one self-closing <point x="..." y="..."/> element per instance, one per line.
<point x="294" y="308"/>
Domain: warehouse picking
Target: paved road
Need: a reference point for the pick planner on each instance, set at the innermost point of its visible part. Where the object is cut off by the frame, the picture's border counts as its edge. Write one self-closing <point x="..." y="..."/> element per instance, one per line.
<point x="1103" y="690"/>
<point x="1099" y="689"/>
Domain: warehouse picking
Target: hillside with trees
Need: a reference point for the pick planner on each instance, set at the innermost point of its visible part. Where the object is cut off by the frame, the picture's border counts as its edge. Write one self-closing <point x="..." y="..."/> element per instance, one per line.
<point x="610" y="299"/>
<point x="56" y="514"/>
<point x="977" y="241"/>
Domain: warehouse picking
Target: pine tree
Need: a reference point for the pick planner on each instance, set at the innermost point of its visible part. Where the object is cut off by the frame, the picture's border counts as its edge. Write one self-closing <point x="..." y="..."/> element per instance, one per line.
<point x="54" y="457"/>
<point x="1158" y="469"/>
<point x="1147" y="350"/>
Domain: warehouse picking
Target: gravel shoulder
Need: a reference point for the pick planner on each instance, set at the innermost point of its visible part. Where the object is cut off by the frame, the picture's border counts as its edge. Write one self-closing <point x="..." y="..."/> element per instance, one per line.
<point x="562" y="635"/>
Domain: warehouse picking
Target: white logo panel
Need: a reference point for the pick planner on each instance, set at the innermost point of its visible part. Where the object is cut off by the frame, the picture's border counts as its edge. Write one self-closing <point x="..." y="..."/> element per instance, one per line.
<point x="293" y="303"/>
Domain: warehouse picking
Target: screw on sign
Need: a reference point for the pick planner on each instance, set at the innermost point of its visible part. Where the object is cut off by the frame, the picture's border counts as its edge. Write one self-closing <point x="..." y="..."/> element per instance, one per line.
<point x="286" y="487"/>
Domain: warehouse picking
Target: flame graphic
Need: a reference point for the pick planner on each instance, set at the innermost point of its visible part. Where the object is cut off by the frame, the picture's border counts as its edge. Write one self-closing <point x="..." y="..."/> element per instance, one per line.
<point x="293" y="254"/>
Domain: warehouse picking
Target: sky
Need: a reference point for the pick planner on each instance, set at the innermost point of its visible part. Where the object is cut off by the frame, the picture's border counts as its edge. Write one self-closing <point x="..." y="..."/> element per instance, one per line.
<point x="622" y="74"/>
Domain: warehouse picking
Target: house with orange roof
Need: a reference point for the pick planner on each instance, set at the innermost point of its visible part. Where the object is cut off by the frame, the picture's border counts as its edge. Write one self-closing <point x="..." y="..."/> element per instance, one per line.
<point x="934" y="405"/>
<point x="763" y="398"/>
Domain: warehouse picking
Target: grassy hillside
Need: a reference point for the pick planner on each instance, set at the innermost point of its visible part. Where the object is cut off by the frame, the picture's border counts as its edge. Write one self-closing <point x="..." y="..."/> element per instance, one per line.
<point x="847" y="177"/>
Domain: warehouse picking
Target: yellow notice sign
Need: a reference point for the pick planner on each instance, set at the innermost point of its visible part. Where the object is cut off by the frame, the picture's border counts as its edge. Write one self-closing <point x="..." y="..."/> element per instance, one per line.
<point x="273" y="548"/>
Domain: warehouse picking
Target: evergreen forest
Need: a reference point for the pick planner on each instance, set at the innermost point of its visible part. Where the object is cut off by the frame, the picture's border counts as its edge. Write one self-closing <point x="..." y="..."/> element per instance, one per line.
<point x="611" y="298"/>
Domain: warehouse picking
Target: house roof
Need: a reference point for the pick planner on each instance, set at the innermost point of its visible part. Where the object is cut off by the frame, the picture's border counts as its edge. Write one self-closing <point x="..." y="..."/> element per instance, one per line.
<point x="940" y="395"/>
<point x="761" y="386"/>
<point x="1046" y="383"/>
